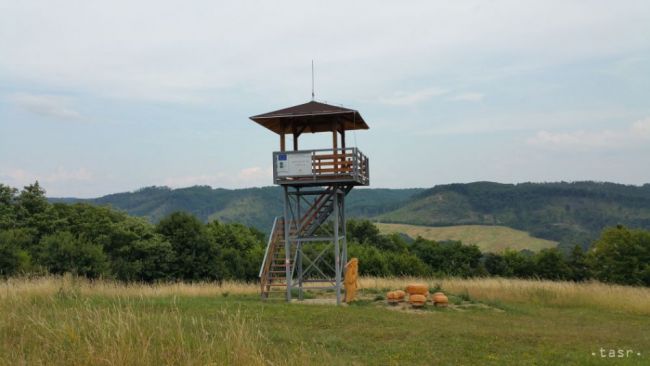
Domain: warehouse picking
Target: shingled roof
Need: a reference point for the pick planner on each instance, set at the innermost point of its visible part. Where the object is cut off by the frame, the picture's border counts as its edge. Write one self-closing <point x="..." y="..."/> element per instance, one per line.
<point x="311" y="117"/>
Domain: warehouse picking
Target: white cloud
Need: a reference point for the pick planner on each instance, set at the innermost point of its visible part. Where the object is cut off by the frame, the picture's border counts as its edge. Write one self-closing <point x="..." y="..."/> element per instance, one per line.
<point x="642" y="128"/>
<point x="467" y="97"/>
<point x="637" y="134"/>
<point x="517" y="121"/>
<point x="411" y="98"/>
<point x="158" y="50"/>
<point x="194" y="180"/>
<point x="247" y="177"/>
<point x="51" y="106"/>
<point x="17" y="177"/>
<point x="62" y="175"/>
<point x="254" y="173"/>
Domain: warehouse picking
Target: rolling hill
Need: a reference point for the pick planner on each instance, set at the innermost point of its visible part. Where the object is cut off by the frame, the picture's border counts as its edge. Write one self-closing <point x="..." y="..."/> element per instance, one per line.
<point x="250" y="206"/>
<point x="489" y="238"/>
<point x="567" y="213"/>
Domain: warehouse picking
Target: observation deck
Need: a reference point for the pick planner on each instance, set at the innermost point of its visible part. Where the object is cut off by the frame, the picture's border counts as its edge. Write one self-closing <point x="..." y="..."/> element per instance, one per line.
<point x="320" y="167"/>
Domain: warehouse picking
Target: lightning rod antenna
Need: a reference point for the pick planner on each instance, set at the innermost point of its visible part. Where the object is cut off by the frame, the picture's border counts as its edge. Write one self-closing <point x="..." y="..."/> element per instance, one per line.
<point x="312" y="80"/>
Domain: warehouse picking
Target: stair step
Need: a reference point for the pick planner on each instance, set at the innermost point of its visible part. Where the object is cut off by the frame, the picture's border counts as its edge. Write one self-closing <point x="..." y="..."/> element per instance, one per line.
<point x="275" y="275"/>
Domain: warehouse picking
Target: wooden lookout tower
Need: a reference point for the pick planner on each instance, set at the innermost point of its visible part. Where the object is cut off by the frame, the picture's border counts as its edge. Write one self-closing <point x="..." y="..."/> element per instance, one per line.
<point x="315" y="183"/>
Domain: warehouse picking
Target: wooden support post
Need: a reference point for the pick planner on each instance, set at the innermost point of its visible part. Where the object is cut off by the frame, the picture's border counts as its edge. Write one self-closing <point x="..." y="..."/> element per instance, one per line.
<point x="343" y="144"/>
<point x="337" y="251"/>
<point x="334" y="146"/>
<point x="296" y="131"/>
<point x="282" y="142"/>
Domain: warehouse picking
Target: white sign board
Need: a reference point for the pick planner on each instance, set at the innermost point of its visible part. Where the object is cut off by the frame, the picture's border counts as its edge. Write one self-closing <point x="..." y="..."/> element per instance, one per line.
<point x="293" y="164"/>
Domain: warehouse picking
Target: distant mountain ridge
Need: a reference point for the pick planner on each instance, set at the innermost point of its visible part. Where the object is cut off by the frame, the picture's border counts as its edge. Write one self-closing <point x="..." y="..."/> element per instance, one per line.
<point x="250" y="206"/>
<point x="570" y="213"/>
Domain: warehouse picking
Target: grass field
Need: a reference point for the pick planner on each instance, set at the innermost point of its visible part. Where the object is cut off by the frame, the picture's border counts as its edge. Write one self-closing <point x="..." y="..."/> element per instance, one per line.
<point x="67" y="321"/>
<point x="489" y="238"/>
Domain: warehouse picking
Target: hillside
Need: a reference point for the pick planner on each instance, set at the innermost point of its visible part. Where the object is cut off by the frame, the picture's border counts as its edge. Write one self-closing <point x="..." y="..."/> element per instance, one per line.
<point x="489" y="238"/>
<point x="250" y="206"/>
<point x="568" y="213"/>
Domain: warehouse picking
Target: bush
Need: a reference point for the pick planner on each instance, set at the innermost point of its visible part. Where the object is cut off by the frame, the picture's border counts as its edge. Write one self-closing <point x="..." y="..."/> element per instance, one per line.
<point x="144" y="260"/>
<point x="550" y="264"/>
<point x="63" y="252"/>
<point x="13" y="259"/>
<point x="622" y="256"/>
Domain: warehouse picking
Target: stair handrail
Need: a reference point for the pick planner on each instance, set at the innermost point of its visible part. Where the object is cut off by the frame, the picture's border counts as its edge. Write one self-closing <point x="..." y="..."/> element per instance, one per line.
<point x="308" y="217"/>
<point x="269" y="244"/>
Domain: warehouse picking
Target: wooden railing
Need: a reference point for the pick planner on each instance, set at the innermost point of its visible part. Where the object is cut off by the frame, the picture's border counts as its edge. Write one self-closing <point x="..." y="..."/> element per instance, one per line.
<point x="324" y="164"/>
<point x="277" y="231"/>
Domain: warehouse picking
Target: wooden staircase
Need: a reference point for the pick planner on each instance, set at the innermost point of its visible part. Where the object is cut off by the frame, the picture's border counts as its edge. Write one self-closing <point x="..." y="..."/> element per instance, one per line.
<point x="273" y="273"/>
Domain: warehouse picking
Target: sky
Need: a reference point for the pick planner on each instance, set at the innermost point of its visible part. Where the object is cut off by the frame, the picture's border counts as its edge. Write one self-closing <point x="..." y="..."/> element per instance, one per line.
<point x="98" y="97"/>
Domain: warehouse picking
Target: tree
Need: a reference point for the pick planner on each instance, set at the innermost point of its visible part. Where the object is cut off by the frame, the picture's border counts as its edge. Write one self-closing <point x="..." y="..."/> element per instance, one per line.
<point x="241" y="250"/>
<point x="550" y="264"/>
<point x="146" y="260"/>
<point x="362" y="231"/>
<point x="63" y="252"/>
<point x="578" y="264"/>
<point x="406" y="264"/>
<point x="495" y="265"/>
<point x="33" y="211"/>
<point x="622" y="256"/>
<point x="448" y="258"/>
<point x="7" y="209"/>
<point x="32" y="200"/>
<point x="13" y="258"/>
<point x="196" y="257"/>
<point x="372" y="262"/>
<point x="518" y="264"/>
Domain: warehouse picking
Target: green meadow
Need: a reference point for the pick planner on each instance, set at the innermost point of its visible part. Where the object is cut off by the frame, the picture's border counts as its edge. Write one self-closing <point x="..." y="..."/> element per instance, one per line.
<point x="67" y="321"/>
<point x="493" y="239"/>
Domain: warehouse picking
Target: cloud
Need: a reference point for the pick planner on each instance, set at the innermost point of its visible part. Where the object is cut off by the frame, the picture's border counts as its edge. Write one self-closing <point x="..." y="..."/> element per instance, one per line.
<point x="154" y="50"/>
<point x="247" y="177"/>
<point x="63" y="175"/>
<point x="254" y="173"/>
<point x="411" y="98"/>
<point x="467" y="97"/>
<point x="194" y="180"/>
<point x="51" y="106"/>
<point x="642" y="128"/>
<point x="512" y="120"/>
<point x="637" y="134"/>
<point x="22" y="177"/>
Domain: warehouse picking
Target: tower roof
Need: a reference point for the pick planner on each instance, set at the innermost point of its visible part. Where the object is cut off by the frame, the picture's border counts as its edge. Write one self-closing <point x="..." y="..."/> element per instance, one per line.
<point x="311" y="117"/>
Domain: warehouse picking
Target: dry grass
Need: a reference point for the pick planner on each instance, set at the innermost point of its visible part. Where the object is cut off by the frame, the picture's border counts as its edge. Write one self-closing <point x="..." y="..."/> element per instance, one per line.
<point x="555" y="293"/>
<point x="635" y="300"/>
<point x="81" y="286"/>
<point x="71" y="321"/>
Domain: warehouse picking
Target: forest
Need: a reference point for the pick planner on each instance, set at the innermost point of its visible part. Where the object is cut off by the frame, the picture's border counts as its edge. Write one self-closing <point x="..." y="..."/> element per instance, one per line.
<point x="38" y="237"/>
<point x="566" y="212"/>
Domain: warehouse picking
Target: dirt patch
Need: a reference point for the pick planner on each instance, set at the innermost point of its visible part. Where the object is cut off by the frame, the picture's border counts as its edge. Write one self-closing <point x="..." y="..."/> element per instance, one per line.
<point x="317" y="301"/>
